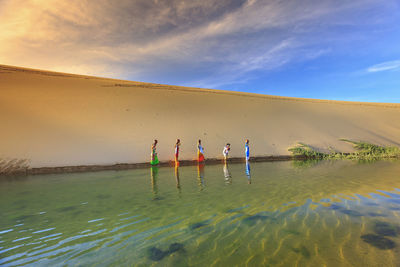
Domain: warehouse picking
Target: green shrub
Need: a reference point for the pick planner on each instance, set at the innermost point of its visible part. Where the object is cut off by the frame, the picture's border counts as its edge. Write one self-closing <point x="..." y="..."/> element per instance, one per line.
<point x="365" y="151"/>
<point x="305" y="150"/>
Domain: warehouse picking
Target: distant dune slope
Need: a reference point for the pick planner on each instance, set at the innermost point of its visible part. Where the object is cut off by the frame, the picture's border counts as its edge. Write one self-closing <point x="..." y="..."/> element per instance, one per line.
<point x="57" y="119"/>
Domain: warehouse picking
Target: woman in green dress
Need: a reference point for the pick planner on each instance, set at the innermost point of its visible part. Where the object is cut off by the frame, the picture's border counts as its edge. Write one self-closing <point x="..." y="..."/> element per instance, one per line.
<point x="154" y="158"/>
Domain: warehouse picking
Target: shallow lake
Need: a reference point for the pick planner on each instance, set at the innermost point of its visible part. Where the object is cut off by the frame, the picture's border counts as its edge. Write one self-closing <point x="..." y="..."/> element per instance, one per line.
<point x="328" y="213"/>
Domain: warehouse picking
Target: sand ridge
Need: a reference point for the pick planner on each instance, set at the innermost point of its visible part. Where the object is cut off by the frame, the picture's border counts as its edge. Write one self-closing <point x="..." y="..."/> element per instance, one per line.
<point x="155" y="86"/>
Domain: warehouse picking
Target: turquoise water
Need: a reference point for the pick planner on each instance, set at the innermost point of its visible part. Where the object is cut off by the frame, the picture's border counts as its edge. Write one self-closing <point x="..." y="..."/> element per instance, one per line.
<point x="329" y="213"/>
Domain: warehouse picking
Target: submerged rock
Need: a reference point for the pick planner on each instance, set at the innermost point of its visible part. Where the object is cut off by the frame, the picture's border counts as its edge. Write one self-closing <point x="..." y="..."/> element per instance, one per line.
<point x="378" y="241"/>
<point x="156" y="254"/>
<point x="385" y="229"/>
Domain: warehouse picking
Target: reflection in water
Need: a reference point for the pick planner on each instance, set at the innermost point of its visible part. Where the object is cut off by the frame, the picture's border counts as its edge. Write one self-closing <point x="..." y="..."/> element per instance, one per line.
<point x="305" y="163"/>
<point x="178" y="182"/>
<point x="200" y="175"/>
<point x="153" y="177"/>
<point x="336" y="213"/>
<point x="227" y="174"/>
<point x="248" y="172"/>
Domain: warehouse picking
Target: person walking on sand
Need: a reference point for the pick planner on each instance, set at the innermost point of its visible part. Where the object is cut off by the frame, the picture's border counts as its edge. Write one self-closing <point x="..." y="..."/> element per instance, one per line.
<point x="154" y="158"/>
<point x="178" y="143"/>
<point x="200" y="152"/>
<point x="247" y="149"/>
<point x="225" y="152"/>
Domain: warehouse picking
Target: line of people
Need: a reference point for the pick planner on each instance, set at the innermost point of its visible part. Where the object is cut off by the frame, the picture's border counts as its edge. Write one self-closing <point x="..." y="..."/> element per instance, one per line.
<point x="200" y="152"/>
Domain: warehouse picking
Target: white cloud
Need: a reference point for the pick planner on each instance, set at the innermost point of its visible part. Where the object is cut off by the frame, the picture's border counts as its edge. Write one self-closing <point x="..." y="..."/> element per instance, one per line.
<point x="216" y="41"/>
<point x="385" y="66"/>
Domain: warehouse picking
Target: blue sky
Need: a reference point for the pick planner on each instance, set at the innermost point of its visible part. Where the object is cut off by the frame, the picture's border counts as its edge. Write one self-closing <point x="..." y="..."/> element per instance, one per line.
<point x="326" y="49"/>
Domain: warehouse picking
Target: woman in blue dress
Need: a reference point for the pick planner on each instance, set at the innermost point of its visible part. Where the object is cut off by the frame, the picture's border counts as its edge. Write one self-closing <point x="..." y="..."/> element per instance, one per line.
<point x="247" y="149"/>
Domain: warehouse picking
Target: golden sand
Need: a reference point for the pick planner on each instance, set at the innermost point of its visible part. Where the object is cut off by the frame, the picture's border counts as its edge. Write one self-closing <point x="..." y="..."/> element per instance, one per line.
<point x="58" y="119"/>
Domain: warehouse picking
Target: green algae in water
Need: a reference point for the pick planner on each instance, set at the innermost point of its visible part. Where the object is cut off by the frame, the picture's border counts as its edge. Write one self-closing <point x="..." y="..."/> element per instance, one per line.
<point x="311" y="216"/>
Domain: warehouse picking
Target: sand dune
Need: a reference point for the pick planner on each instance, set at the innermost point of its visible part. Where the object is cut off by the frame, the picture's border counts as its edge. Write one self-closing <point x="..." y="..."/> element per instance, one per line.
<point x="57" y="119"/>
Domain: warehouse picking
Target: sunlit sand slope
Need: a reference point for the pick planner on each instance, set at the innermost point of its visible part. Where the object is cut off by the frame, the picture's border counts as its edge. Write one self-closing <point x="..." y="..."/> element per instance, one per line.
<point x="56" y="119"/>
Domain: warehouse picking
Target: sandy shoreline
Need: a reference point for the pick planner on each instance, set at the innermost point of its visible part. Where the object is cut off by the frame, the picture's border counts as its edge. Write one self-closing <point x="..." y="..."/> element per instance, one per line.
<point x="143" y="165"/>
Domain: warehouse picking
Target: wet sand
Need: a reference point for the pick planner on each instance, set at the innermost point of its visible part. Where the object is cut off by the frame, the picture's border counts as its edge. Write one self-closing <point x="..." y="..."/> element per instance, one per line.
<point x="54" y="119"/>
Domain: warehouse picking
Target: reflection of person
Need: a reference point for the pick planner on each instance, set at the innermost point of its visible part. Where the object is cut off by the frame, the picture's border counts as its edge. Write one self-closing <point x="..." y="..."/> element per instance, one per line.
<point x="178" y="143"/>
<point x="248" y="172"/>
<point x="227" y="174"/>
<point x="200" y="152"/>
<point x="247" y="149"/>
<point x="200" y="175"/>
<point x="225" y="152"/>
<point x="153" y="177"/>
<point x="178" y="182"/>
<point x="154" y="158"/>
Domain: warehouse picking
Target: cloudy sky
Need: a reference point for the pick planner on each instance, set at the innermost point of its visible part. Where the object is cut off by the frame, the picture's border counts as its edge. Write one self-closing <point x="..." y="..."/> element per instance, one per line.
<point x="329" y="49"/>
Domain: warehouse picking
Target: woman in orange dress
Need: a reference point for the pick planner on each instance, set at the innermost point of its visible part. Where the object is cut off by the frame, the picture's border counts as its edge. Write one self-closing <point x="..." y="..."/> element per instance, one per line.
<point x="200" y="152"/>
